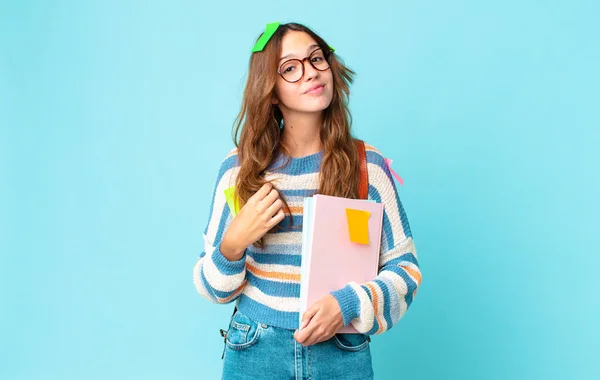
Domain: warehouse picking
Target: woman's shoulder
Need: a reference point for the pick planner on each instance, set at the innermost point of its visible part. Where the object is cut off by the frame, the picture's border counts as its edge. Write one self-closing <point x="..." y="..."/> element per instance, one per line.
<point x="378" y="168"/>
<point x="229" y="166"/>
<point x="230" y="160"/>
<point x="374" y="155"/>
<point x="233" y="152"/>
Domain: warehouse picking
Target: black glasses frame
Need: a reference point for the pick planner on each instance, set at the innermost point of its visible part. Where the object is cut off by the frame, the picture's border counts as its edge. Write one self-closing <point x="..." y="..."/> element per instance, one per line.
<point x="326" y="53"/>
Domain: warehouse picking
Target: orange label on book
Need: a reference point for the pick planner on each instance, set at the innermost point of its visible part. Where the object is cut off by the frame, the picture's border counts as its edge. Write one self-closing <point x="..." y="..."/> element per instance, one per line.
<point x="358" y="225"/>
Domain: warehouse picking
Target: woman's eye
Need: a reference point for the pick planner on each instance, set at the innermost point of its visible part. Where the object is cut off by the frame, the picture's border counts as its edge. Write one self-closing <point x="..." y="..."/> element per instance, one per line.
<point x="317" y="59"/>
<point x="289" y="69"/>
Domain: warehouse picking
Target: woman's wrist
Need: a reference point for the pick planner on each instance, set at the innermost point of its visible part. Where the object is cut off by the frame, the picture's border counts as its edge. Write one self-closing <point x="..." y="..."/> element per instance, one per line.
<point x="230" y="251"/>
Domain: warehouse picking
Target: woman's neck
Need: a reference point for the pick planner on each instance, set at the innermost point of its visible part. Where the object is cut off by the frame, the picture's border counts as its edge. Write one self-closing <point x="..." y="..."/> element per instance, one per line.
<point x="302" y="136"/>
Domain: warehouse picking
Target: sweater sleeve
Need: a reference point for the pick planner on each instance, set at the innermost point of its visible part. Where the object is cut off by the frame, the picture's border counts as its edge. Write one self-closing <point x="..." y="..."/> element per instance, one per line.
<point x="215" y="277"/>
<point x="376" y="306"/>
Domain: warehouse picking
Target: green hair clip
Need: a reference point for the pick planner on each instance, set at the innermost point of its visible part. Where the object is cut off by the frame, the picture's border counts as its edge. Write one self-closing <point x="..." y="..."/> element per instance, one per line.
<point x="266" y="36"/>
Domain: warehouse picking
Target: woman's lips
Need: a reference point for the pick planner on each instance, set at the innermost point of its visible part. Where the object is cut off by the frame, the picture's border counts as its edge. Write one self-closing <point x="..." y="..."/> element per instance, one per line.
<point x="316" y="91"/>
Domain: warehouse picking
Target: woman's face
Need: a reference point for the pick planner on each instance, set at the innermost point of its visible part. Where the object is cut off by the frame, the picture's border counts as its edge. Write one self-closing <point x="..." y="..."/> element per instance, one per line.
<point x="297" y="97"/>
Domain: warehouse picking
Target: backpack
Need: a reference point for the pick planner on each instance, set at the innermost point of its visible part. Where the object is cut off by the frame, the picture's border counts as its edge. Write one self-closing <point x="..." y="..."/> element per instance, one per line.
<point x="363" y="193"/>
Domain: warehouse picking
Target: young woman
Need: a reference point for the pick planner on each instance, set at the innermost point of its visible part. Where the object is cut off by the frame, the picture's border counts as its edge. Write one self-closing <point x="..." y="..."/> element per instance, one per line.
<point x="293" y="141"/>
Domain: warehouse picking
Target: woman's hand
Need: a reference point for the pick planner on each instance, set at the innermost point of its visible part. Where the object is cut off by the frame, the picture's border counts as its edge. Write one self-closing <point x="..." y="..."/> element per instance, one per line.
<point x="262" y="212"/>
<point x="320" y="322"/>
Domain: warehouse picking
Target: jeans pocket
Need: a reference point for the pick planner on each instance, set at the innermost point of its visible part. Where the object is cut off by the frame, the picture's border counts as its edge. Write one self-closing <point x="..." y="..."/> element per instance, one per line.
<point x="243" y="332"/>
<point x="351" y="342"/>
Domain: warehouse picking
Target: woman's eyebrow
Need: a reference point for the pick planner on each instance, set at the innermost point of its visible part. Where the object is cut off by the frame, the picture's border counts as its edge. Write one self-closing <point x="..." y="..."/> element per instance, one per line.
<point x="291" y="55"/>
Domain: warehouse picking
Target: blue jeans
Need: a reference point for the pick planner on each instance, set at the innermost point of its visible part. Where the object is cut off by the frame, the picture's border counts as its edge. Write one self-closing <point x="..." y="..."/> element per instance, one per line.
<point x="254" y="351"/>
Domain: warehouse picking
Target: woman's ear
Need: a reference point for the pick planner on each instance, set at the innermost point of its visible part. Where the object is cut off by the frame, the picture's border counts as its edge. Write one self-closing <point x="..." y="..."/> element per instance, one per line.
<point x="274" y="99"/>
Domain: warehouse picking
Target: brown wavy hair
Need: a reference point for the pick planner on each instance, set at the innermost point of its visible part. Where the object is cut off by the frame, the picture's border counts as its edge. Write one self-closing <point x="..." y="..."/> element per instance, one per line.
<point x="257" y="133"/>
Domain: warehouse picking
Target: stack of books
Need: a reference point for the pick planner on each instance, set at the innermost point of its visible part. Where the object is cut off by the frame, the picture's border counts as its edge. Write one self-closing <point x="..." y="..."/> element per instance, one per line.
<point x="341" y="240"/>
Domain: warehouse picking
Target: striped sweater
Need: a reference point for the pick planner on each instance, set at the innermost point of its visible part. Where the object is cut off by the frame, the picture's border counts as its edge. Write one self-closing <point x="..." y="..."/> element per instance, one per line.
<point x="265" y="283"/>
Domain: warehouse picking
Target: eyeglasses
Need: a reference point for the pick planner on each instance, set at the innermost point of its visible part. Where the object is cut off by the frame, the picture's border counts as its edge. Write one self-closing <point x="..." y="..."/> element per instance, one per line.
<point x="293" y="70"/>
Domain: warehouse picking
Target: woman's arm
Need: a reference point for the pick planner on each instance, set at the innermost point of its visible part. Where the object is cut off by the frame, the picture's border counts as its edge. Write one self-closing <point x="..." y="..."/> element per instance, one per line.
<point x="376" y="306"/>
<point x="216" y="277"/>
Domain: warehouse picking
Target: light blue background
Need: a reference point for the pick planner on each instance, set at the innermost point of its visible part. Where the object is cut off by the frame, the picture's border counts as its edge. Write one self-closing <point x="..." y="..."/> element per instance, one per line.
<point x="114" y="119"/>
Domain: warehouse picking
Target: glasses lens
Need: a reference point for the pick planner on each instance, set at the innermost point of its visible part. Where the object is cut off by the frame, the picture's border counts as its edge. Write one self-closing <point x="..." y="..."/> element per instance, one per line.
<point x="291" y="70"/>
<point x="318" y="60"/>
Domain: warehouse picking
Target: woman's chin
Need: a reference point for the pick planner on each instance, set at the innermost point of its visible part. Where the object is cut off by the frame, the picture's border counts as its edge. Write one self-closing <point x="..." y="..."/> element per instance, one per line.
<point x="317" y="106"/>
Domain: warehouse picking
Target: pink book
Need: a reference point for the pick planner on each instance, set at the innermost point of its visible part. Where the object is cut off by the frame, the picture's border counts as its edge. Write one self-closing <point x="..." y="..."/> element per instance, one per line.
<point x="330" y="257"/>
